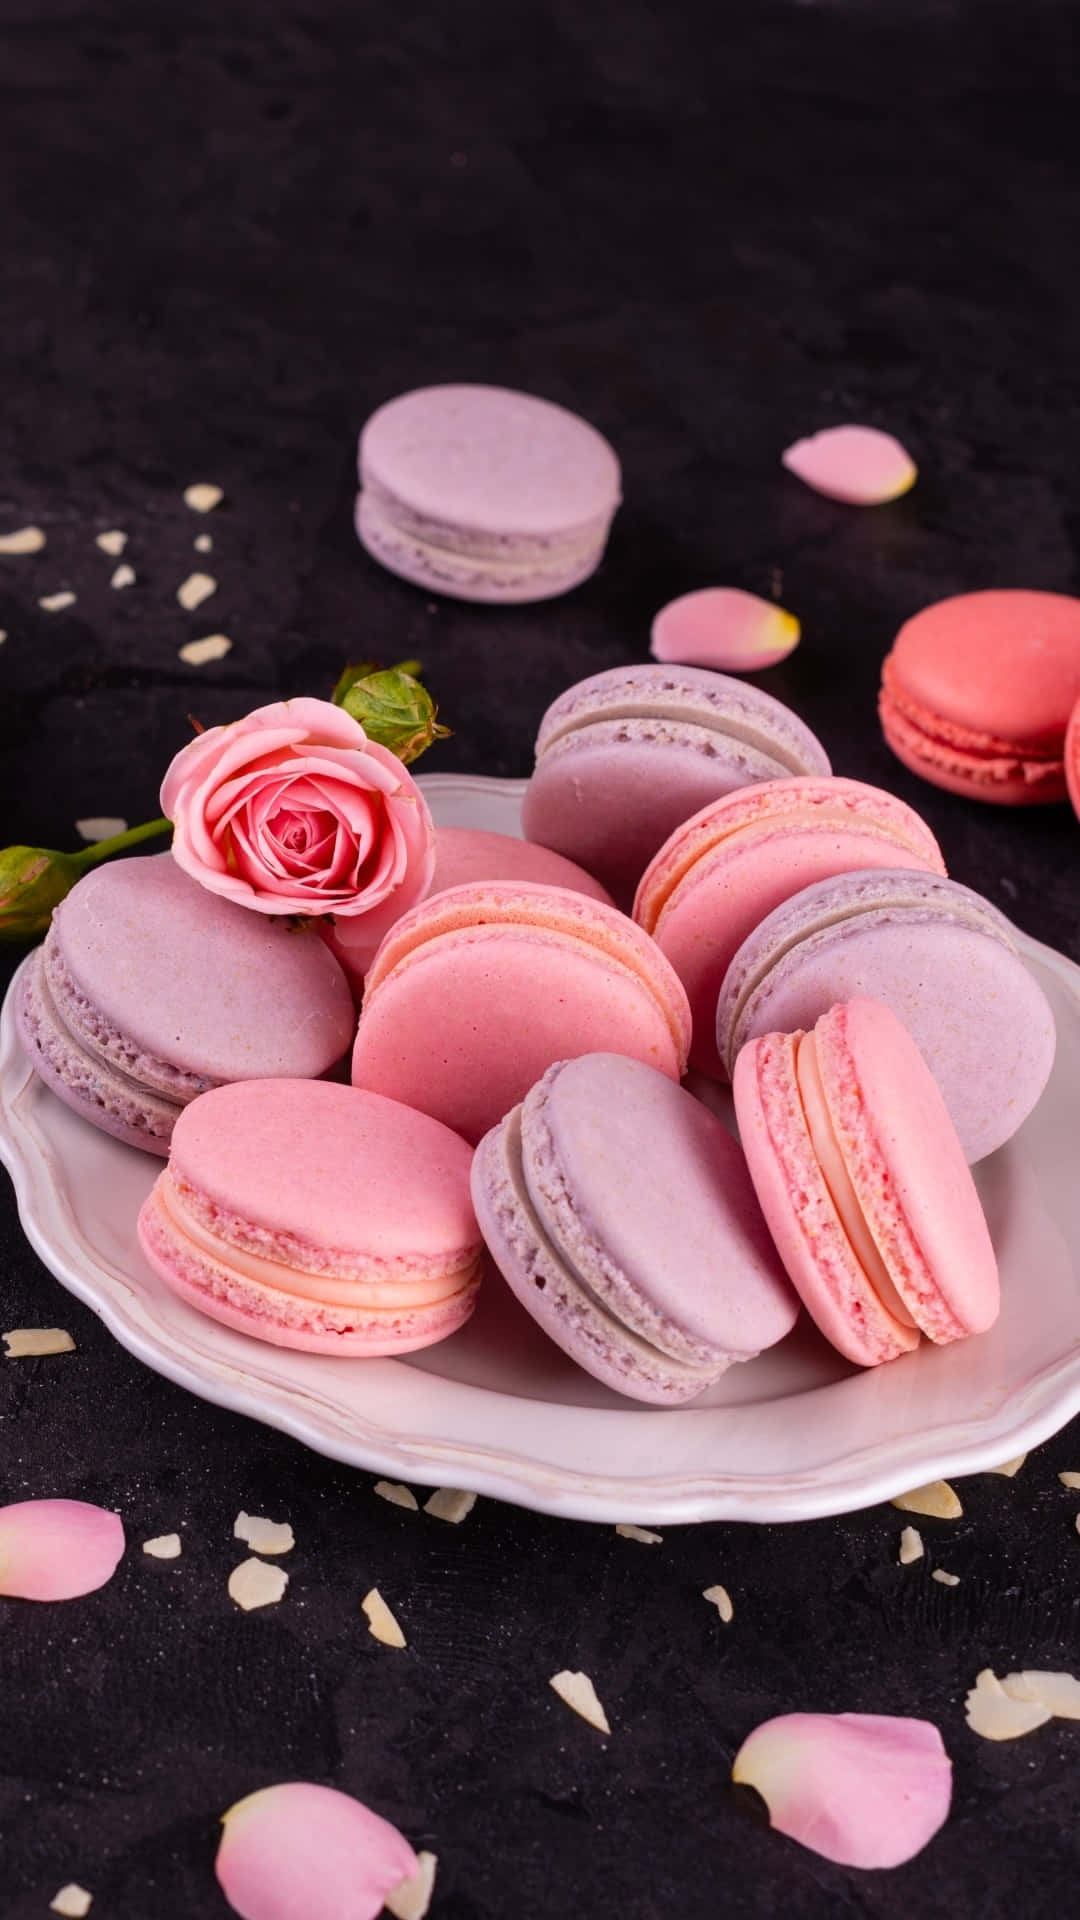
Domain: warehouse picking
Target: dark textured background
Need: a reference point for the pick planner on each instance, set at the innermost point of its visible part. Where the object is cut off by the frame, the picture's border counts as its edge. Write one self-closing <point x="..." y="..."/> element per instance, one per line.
<point x="229" y="232"/>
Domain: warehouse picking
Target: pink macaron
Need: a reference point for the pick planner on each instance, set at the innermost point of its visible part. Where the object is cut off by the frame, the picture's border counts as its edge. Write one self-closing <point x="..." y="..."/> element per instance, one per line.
<point x="977" y="692"/>
<point x="318" y="1217"/>
<point x="1072" y="758"/>
<point x="864" y="1184"/>
<point x="722" y="871"/>
<point x="620" y="1212"/>
<point x="478" y="990"/>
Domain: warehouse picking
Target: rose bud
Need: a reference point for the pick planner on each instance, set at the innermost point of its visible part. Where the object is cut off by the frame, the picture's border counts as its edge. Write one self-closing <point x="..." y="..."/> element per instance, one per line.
<point x="34" y="880"/>
<point x="394" y="709"/>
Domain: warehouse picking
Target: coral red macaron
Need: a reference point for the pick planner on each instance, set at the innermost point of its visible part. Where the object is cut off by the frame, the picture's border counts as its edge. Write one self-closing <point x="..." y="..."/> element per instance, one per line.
<point x="1072" y="758"/>
<point x="977" y="692"/>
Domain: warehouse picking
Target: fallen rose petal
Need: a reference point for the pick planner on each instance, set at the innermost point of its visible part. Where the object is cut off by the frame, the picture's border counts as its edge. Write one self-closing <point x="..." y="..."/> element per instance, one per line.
<point x="911" y="1546"/>
<point x="864" y="1789"/>
<point x="72" y="1901"/>
<point x="32" y="1343"/>
<point x="411" y="1900"/>
<point x="253" y="1584"/>
<point x="263" y="1536"/>
<point x="724" y="628"/>
<point x="860" y="465"/>
<point x="578" y="1692"/>
<point x="1060" y="1692"/>
<point x="303" y="1852"/>
<point x="57" y="1549"/>
<point x="937" y="1500"/>
<point x="23" y="540"/>
<point x="997" y="1715"/>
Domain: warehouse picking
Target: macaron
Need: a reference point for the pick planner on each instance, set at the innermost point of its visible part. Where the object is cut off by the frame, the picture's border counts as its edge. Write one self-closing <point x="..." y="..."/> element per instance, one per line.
<point x="314" y="1216"/>
<point x="149" y="989"/>
<point x="1072" y="758"/>
<point x="977" y="691"/>
<point x="623" y="757"/>
<point x="621" y="1213"/>
<point x="485" y="494"/>
<point x="728" y="866"/>
<point x="864" y="1184"/>
<point x="477" y="991"/>
<point x="940" y="956"/>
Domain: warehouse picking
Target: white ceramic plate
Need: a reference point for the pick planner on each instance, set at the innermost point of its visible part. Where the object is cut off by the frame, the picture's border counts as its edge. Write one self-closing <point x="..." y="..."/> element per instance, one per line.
<point x="497" y="1408"/>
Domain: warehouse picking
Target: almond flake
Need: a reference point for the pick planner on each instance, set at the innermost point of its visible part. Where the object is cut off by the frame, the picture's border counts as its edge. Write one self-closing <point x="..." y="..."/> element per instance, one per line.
<point x="911" y="1546"/>
<point x="641" y="1534"/>
<point x="198" y="653"/>
<point x="28" y="1343"/>
<point x="3" y="635"/>
<point x="264" y="1536"/>
<point x="1058" y="1691"/>
<point x="56" y="602"/>
<point x="112" y="542"/>
<point x="72" y="1901"/>
<point x="449" y="1503"/>
<point x="203" y="543"/>
<point x="397" y="1495"/>
<point x="165" y="1547"/>
<point x="1071" y="1480"/>
<point x="24" y="540"/>
<point x="578" y="1692"/>
<point x="254" y="1584"/>
<point x="937" y="1500"/>
<point x="103" y="827"/>
<point x="411" y="1898"/>
<point x="202" y="496"/>
<point x="721" y="1600"/>
<point x="195" y="589"/>
<point x="123" y="576"/>
<point x="381" y="1622"/>
<point x="945" y="1579"/>
<point x="997" y="1715"/>
<point x="1010" y="1468"/>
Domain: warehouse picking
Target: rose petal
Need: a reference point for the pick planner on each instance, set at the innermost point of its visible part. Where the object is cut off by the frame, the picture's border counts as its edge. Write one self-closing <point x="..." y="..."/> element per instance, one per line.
<point x="57" y="1549"/>
<point x="725" y="628"/>
<point x="303" y="1852"/>
<point x="860" y="465"/>
<point x="998" y="1715"/>
<point x="1058" y="1691"/>
<point x="864" y="1789"/>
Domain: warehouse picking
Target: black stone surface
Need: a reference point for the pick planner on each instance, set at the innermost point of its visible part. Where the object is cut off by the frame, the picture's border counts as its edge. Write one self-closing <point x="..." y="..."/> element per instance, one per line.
<point x="229" y="232"/>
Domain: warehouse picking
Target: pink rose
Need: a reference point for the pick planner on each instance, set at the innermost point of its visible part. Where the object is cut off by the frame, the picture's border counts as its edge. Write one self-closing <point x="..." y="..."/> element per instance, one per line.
<point x="293" y="810"/>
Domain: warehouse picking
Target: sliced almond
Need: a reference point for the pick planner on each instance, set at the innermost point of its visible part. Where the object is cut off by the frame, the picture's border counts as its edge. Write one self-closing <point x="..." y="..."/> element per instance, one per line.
<point x="450" y="1503"/>
<point x="996" y="1715"/>
<point x="195" y="589"/>
<point x="56" y="602"/>
<point x="100" y="827"/>
<point x="411" y="1899"/>
<point x="112" y="542"/>
<point x="253" y="1584"/>
<point x="123" y="576"/>
<point x="1010" y="1467"/>
<point x="28" y="1343"/>
<point x="641" y="1534"/>
<point x="1058" y="1691"/>
<point x="199" y="653"/>
<point x="72" y="1901"/>
<point x="937" y="1500"/>
<point x="397" y="1495"/>
<point x="911" y="1546"/>
<point x="203" y="543"/>
<point x="165" y="1546"/>
<point x="945" y="1579"/>
<point x="23" y="540"/>
<point x="202" y="496"/>
<point x="381" y="1622"/>
<point x="263" y="1536"/>
<point x="721" y="1600"/>
<point x="1070" y="1480"/>
<point x="577" y="1690"/>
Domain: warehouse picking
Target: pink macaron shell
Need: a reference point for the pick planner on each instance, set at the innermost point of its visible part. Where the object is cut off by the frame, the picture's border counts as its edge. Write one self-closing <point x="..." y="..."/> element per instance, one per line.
<point x="722" y="872"/>
<point x="799" y="1208"/>
<point x="908" y="1169"/>
<point x="724" y="628"/>
<point x="464" y="855"/>
<point x="997" y="774"/>
<point x="1072" y="758"/>
<point x="85" y="1083"/>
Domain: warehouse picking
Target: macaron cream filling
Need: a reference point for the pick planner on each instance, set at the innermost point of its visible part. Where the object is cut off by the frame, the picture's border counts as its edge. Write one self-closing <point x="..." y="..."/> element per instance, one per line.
<point x="723" y="708"/>
<point x="508" y="551"/>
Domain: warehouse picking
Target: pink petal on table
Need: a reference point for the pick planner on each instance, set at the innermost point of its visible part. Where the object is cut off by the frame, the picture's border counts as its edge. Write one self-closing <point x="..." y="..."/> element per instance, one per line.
<point x="57" y="1549"/>
<point x="861" y="465"/>
<point x="302" y="1852"/>
<point x="725" y="628"/>
<point x="864" y="1789"/>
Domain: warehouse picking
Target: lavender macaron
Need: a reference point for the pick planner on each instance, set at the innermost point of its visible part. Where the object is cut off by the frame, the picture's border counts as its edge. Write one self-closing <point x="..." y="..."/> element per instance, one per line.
<point x="149" y="990"/>
<point x="621" y="1213"/>
<point x="945" y="961"/>
<point x="485" y="494"/>
<point x="624" y="757"/>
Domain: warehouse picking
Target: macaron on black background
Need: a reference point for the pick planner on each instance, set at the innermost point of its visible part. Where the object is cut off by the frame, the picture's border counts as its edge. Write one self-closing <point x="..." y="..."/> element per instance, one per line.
<point x="230" y="233"/>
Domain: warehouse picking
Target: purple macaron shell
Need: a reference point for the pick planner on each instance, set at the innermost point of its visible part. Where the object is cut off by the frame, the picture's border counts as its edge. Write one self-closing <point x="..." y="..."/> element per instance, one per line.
<point x="622" y="1215"/>
<point x="945" y="961"/>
